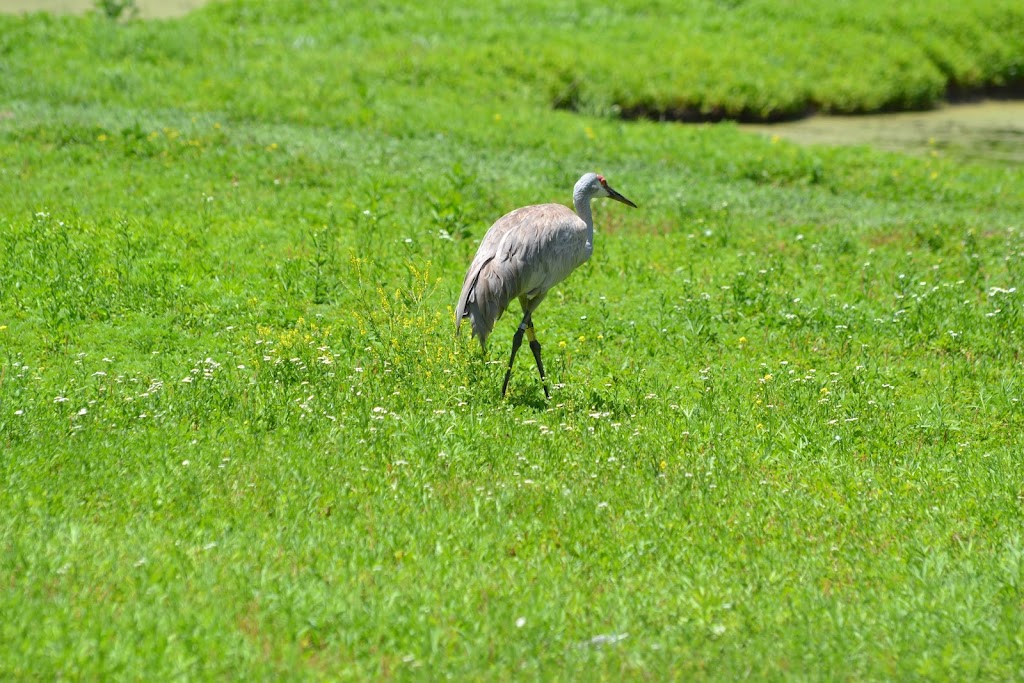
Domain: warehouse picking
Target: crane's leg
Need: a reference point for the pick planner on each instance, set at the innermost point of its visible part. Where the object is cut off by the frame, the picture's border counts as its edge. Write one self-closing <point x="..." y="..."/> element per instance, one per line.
<point x="517" y="341"/>
<point x="535" y="347"/>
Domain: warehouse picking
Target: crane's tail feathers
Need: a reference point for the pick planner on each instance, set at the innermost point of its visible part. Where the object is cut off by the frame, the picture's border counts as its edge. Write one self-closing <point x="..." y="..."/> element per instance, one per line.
<point x="485" y="296"/>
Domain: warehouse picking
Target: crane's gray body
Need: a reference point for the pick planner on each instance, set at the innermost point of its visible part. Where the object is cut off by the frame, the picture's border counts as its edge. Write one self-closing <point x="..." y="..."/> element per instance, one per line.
<point x="522" y="256"/>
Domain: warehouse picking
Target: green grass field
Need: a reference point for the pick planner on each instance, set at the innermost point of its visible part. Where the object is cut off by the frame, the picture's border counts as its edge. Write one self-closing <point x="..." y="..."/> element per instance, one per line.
<point x="240" y="440"/>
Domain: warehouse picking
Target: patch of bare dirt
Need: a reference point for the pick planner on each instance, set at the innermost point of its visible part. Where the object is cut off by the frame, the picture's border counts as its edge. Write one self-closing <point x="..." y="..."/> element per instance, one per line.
<point x="148" y="9"/>
<point x="992" y="129"/>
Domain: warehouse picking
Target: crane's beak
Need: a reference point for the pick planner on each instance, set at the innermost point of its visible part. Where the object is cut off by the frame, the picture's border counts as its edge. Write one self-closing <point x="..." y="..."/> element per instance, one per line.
<point x="612" y="194"/>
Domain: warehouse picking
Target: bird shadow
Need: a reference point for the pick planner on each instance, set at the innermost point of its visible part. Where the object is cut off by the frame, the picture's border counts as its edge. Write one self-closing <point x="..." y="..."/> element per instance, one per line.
<point x="527" y="399"/>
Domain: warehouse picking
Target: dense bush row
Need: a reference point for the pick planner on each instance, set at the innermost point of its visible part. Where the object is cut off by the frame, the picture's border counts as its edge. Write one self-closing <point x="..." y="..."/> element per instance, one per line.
<point x="759" y="60"/>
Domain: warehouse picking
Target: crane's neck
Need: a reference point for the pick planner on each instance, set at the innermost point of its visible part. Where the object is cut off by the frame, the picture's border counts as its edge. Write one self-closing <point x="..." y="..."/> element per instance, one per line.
<point x="581" y="201"/>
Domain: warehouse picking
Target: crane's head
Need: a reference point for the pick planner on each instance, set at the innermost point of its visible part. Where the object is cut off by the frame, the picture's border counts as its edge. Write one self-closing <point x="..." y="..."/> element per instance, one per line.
<point x="594" y="185"/>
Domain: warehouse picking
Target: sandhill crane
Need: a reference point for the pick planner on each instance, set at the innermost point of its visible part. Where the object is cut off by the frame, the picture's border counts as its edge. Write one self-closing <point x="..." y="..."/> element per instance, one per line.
<point x="523" y="255"/>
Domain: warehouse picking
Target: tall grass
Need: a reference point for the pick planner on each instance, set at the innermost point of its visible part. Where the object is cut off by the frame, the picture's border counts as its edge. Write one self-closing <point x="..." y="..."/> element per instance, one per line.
<point x="240" y="439"/>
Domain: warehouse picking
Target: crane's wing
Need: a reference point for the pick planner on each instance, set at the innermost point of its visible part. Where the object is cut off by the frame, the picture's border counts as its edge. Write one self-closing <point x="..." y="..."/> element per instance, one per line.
<point x="524" y="252"/>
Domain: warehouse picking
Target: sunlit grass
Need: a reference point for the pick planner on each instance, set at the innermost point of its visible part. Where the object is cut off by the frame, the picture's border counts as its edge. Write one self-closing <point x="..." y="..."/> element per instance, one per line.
<point x="240" y="437"/>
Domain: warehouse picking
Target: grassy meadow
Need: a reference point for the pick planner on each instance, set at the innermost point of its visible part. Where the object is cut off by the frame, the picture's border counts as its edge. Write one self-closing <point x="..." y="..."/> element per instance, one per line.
<point x="238" y="437"/>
